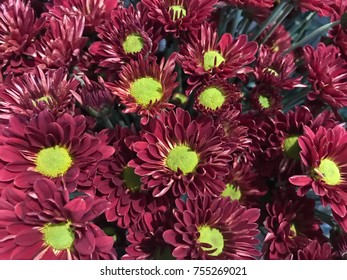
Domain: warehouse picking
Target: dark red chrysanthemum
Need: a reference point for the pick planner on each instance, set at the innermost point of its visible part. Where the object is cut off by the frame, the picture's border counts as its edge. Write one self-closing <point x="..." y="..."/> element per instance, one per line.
<point x="95" y="97"/>
<point x="254" y="9"/>
<point x="338" y="239"/>
<point x="244" y="184"/>
<point x="62" y="43"/>
<point x="266" y="99"/>
<point x="18" y="29"/>
<point x="204" y="56"/>
<point x="321" y="7"/>
<point x="235" y="130"/>
<point x="119" y="184"/>
<point x="275" y="69"/>
<point x="182" y="155"/>
<point x="289" y="127"/>
<point x="126" y="36"/>
<point x="95" y="12"/>
<point x="339" y="33"/>
<point x="179" y="16"/>
<point x="146" y="236"/>
<point x="145" y="87"/>
<point x="323" y="154"/>
<point x="327" y="75"/>
<point x="24" y="94"/>
<point x="290" y="224"/>
<point x="316" y="251"/>
<point x="46" y="225"/>
<point x="51" y="147"/>
<point x="279" y="41"/>
<point x="216" y="96"/>
<point x="213" y="228"/>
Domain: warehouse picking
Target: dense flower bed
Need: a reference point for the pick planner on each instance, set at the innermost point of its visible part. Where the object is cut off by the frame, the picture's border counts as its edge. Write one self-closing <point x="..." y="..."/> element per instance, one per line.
<point x="173" y="129"/>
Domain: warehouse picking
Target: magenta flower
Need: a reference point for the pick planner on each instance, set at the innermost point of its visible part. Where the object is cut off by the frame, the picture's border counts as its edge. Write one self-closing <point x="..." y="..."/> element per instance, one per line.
<point x="46" y="225"/>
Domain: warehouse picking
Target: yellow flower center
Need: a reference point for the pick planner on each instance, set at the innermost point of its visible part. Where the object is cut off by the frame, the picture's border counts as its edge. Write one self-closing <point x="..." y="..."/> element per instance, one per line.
<point x="329" y="172"/>
<point x="232" y="192"/>
<point x="212" y="98"/>
<point x="212" y="237"/>
<point x="271" y="71"/>
<point x="264" y="102"/>
<point x="133" y="43"/>
<point x="131" y="180"/>
<point x="291" y="147"/>
<point x="146" y="90"/>
<point x="58" y="236"/>
<point x="183" y="158"/>
<point x="53" y="162"/>
<point x="177" y="12"/>
<point x="212" y="59"/>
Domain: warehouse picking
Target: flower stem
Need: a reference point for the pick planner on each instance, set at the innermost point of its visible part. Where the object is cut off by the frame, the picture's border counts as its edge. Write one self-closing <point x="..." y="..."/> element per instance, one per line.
<point x="285" y="13"/>
<point x="324" y="217"/>
<point x="276" y="13"/>
<point x="236" y="22"/>
<point x="321" y="30"/>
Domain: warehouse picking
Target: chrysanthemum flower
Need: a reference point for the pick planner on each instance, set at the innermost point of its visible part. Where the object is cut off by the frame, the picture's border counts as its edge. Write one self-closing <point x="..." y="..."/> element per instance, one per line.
<point x="116" y="181"/>
<point x="316" y="251"/>
<point x="213" y="228"/>
<point x="339" y="33"/>
<point x="235" y="129"/>
<point x="146" y="236"/>
<point x="51" y="147"/>
<point x="321" y="7"/>
<point x="244" y="184"/>
<point x="216" y="96"/>
<point x="289" y="127"/>
<point x="266" y="99"/>
<point x="95" y="97"/>
<point x="274" y="69"/>
<point x="279" y="41"/>
<point x="18" y="29"/>
<point x="204" y="56"/>
<point x="290" y="224"/>
<point x="257" y="10"/>
<point x="338" y="239"/>
<point x="62" y="43"/>
<point x="46" y="225"/>
<point x="52" y="89"/>
<point x="126" y="36"/>
<point x="323" y="154"/>
<point x="327" y="75"/>
<point x="145" y="87"/>
<point x="179" y="16"/>
<point x="181" y="155"/>
<point x="95" y="12"/>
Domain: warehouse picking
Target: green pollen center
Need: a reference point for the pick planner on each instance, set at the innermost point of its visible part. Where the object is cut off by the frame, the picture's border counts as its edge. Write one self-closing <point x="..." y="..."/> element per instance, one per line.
<point x="329" y="171"/>
<point x="146" y="90"/>
<point x="212" y="98"/>
<point x="232" y="192"/>
<point x="293" y="229"/>
<point x="178" y="12"/>
<point x="271" y="71"/>
<point x="264" y="102"/>
<point x="131" y="180"/>
<point x="58" y="236"/>
<point x="213" y="237"/>
<point x="182" y="157"/>
<point x="133" y="43"/>
<point x="212" y="59"/>
<point x="45" y="99"/>
<point x="53" y="162"/>
<point x="291" y="147"/>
